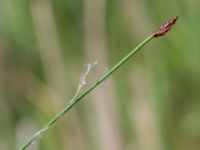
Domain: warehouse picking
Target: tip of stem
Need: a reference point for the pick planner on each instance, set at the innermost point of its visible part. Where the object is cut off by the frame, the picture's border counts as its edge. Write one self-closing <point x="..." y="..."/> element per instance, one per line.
<point x="164" y="28"/>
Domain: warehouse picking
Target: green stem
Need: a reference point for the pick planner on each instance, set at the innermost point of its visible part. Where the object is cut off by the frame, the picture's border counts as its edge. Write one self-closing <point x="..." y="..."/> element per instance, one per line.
<point x="78" y="98"/>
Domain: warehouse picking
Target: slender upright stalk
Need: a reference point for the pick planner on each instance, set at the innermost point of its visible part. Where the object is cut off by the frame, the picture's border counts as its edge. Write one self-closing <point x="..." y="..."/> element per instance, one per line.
<point x="160" y="32"/>
<point x="78" y="98"/>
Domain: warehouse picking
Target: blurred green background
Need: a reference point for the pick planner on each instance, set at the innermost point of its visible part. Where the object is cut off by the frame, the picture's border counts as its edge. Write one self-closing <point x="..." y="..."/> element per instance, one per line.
<point x="151" y="103"/>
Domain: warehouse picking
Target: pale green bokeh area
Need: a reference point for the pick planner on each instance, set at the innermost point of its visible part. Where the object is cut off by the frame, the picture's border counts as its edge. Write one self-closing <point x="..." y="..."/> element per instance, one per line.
<point x="44" y="46"/>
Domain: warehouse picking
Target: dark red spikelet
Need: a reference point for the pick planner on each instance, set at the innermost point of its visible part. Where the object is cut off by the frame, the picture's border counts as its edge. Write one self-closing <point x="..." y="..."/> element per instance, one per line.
<point x="165" y="27"/>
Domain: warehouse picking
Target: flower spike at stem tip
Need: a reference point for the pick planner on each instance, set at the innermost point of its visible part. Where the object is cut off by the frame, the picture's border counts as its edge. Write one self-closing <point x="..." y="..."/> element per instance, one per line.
<point x="164" y="28"/>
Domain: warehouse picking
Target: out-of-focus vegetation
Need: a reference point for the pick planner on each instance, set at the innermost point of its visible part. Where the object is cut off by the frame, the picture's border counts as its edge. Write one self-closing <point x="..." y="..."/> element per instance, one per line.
<point x="151" y="103"/>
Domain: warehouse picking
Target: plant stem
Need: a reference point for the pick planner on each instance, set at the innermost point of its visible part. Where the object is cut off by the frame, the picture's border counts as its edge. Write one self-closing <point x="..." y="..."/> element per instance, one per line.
<point x="74" y="101"/>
